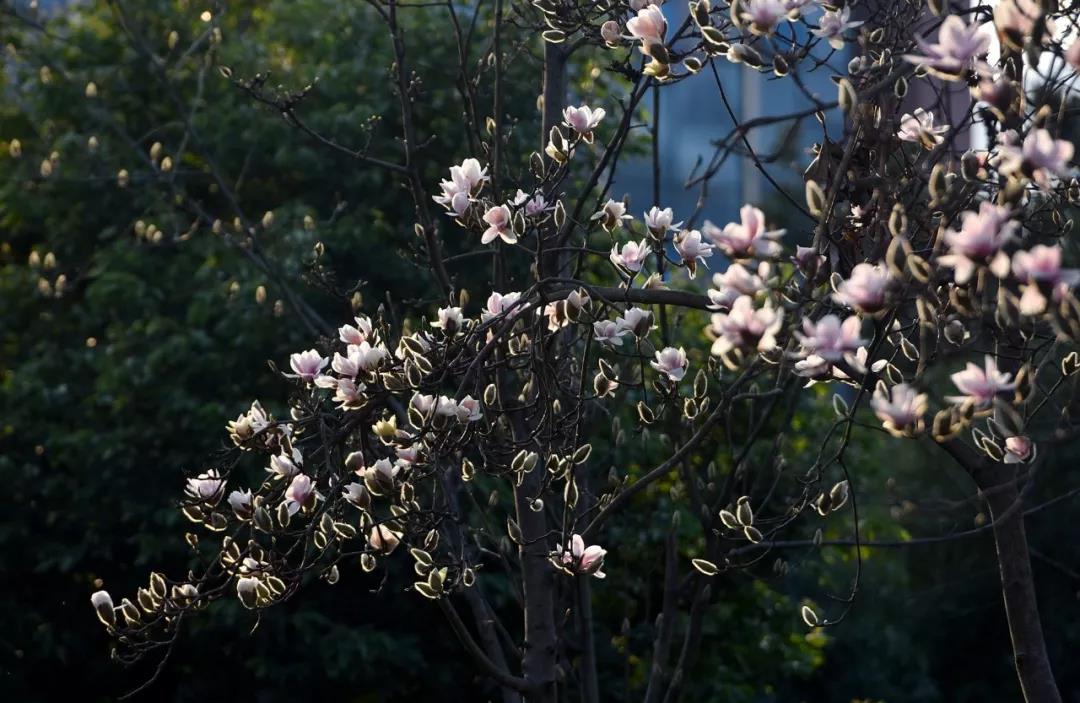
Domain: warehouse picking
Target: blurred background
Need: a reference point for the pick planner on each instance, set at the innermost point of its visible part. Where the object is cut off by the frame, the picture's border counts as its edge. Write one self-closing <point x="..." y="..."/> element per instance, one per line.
<point x="128" y="339"/>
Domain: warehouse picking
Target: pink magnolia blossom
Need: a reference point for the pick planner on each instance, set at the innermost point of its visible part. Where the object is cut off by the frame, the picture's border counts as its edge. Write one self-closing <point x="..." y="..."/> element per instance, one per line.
<point x="450" y="320"/>
<point x="746" y="238"/>
<point x="956" y="50"/>
<point x="649" y="27"/>
<point x="833" y="24"/>
<point x="636" y="321"/>
<point x="500" y="304"/>
<point x="980" y="385"/>
<point x="241" y="502"/>
<point x="671" y="362"/>
<point x="465" y="181"/>
<point x="356" y="494"/>
<point x="468" y="409"/>
<point x="900" y="409"/>
<point x="1072" y="54"/>
<point x="745" y="328"/>
<point x="979" y="241"/>
<point x="499" y="225"/>
<point x="1019" y="449"/>
<point x="348" y="393"/>
<point x="659" y="221"/>
<point x="829" y="338"/>
<point x="631" y="257"/>
<point x="689" y="246"/>
<point x="736" y="281"/>
<point x="764" y="15"/>
<point x="808" y="259"/>
<point x="866" y="289"/>
<point x="285" y="466"/>
<point x="919" y="128"/>
<point x="307" y="365"/>
<point x="584" y="119"/>
<point x="383" y="540"/>
<point x="579" y="559"/>
<point x="206" y="487"/>
<point x="358" y="334"/>
<point x="300" y="494"/>
<point x="1039" y="269"/>
<point x="1015" y="20"/>
<point x="1039" y="157"/>
<point x="537" y="205"/>
<point x="612" y="214"/>
<point x="609" y="333"/>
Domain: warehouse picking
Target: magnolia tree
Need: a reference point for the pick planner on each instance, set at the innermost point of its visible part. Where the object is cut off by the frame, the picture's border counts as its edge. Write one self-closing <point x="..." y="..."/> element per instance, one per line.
<point x="921" y="279"/>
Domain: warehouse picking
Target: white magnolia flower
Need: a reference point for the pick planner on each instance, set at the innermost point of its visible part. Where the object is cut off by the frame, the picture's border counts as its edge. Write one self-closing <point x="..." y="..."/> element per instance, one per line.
<point x="671" y="362"/>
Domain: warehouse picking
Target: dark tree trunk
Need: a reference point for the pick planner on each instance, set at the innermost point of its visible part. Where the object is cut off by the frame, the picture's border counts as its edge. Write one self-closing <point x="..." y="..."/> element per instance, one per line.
<point x="998" y="483"/>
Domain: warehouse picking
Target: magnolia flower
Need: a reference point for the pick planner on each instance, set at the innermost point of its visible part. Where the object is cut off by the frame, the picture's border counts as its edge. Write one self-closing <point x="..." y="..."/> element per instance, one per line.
<point x="636" y="321"/>
<point x="1040" y="269"/>
<point x="866" y="289"/>
<point x="583" y="120"/>
<point x="384" y="540"/>
<point x="979" y="242"/>
<point x="241" y="502"/>
<point x="612" y="215"/>
<point x="307" y="365"/>
<point x="206" y="487"/>
<point x="537" y="206"/>
<point x="671" y="362"/>
<point x="424" y="403"/>
<point x="249" y="424"/>
<point x="764" y="15"/>
<point x="379" y="478"/>
<point x="649" y="27"/>
<point x="833" y="24"/>
<point x="356" y="335"/>
<point x="450" y="320"/>
<point x="1015" y="21"/>
<point x="737" y="280"/>
<point x="660" y="221"/>
<point x="464" y="181"/>
<point x="1019" y="449"/>
<point x="1039" y="157"/>
<point x="900" y="409"/>
<point x="367" y="357"/>
<point x="748" y="237"/>
<point x="956" y="50"/>
<point x="919" y="128"/>
<point x="1072" y="54"/>
<point x="980" y="386"/>
<point x="103" y="604"/>
<point x="631" y="257"/>
<point x="829" y="338"/>
<point x="812" y="366"/>
<point x="348" y="393"/>
<point x="807" y="259"/>
<point x="284" y="466"/>
<point x="580" y="559"/>
<point x="356" y="495"/>
<point x="300" y="494"/>
<point x="469" y="173"/>
<point x="745" y="328"/>
<point x="689" y="246"/>
<point x="499" y="304"/>
<point x="468" y="409"/>
<point x="609" y="333"/>
<point x="499" y="226"/>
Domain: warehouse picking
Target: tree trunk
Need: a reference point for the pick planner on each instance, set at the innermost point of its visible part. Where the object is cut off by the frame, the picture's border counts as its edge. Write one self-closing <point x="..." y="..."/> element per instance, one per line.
<point x="998" y="483"/>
